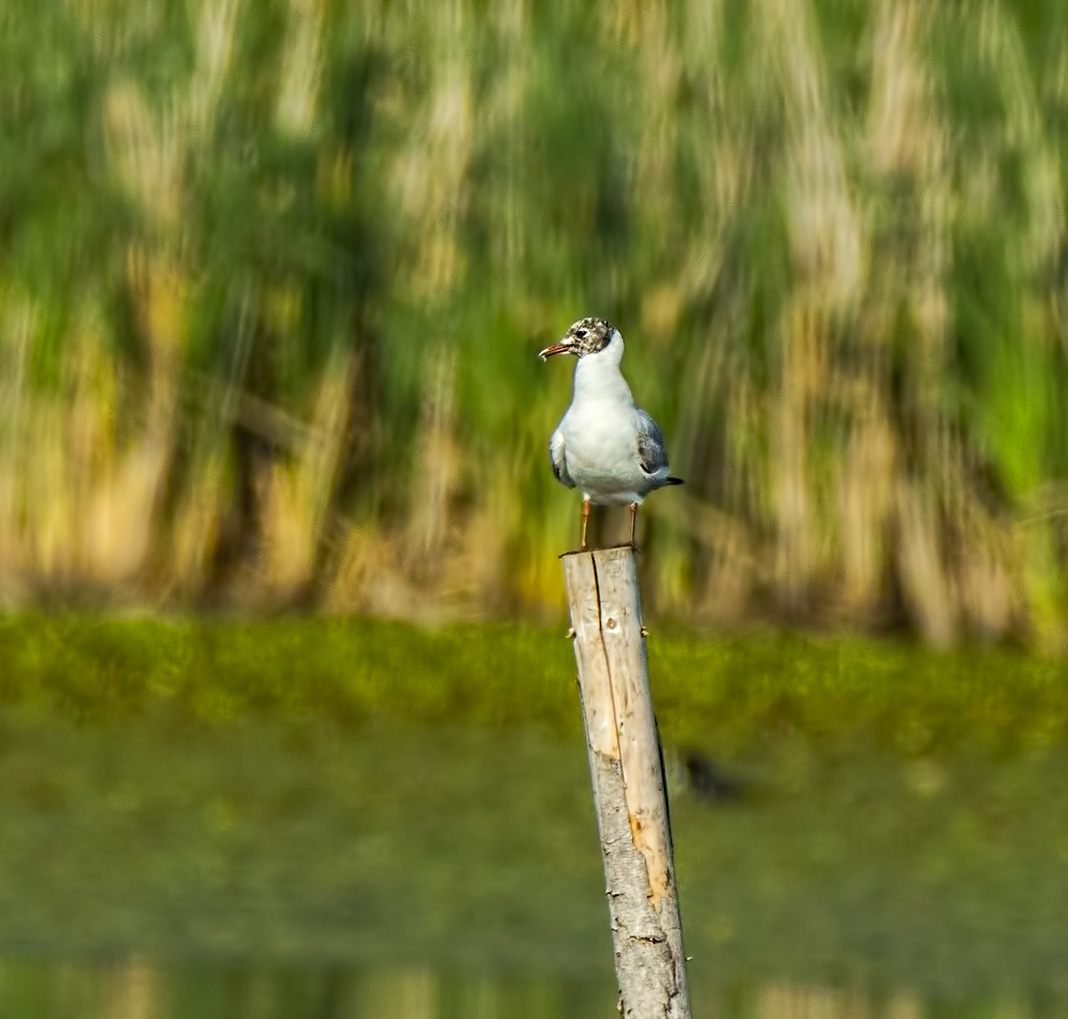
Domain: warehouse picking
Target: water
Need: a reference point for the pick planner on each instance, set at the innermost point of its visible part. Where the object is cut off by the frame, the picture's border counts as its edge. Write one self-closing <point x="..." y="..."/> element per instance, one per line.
<point x="138" y="990"/>
<point x="160" y="872"/>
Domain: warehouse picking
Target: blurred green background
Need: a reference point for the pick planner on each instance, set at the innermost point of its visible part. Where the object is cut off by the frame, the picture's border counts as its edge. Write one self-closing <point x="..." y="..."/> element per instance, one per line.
<point x="273" y="275"/>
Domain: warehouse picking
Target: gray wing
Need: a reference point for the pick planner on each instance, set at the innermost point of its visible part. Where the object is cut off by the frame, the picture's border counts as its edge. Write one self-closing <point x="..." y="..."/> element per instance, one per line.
<point x="652" y="453"/>
<point x="556" y="458"/>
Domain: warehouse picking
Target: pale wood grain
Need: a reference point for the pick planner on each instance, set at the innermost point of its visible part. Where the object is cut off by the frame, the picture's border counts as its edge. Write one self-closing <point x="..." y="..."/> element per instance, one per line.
<point x="628" y="782"/>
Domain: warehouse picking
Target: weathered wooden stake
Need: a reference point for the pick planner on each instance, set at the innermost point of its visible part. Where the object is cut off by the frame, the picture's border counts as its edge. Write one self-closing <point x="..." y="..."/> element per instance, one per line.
<point x="628" y="782"/>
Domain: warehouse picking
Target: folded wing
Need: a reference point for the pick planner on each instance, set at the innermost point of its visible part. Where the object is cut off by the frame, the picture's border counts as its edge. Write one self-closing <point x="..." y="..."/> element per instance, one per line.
<point x="652" y="453"/>
<point x="557" y="459"/>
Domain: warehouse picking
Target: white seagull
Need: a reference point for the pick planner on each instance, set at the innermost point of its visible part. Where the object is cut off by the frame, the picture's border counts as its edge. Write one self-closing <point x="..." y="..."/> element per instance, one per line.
<point x="605" y="445"/>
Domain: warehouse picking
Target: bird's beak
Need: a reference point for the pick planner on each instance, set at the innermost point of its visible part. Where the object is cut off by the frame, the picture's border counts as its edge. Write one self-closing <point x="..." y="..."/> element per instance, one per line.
<point x="563" y="347"/>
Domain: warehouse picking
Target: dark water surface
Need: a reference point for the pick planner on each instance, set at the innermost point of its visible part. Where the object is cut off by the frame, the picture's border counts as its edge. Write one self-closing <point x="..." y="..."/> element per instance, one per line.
<point x="259" y="870"/>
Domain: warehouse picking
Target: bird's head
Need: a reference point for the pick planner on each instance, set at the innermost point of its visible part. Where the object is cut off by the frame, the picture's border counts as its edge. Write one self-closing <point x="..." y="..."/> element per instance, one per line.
<point x="586" y="336"/>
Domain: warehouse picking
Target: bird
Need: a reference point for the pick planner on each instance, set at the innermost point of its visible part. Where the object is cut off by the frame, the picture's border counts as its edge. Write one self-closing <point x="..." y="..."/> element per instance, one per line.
<point x="707" y="780"/>
<point x="605" y="445"/>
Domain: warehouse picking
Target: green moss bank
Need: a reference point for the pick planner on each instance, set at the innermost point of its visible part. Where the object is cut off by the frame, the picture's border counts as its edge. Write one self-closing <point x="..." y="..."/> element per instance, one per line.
<point x="737" y="694"/>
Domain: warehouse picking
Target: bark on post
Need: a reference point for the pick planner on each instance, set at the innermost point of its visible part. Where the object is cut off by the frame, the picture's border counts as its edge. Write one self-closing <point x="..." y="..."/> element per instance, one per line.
<point x="628" y="782"/>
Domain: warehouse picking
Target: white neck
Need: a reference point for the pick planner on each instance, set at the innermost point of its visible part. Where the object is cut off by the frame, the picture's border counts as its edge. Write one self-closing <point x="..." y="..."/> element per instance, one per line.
<point x="598" y="375"/>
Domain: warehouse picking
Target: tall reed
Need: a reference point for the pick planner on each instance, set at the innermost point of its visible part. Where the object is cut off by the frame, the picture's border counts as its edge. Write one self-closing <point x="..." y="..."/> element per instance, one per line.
<point x="272" y="277"/>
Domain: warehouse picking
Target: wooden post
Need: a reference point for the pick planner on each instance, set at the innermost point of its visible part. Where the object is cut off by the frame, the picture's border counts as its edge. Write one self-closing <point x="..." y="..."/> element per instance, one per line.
<point x="628" y="782"/>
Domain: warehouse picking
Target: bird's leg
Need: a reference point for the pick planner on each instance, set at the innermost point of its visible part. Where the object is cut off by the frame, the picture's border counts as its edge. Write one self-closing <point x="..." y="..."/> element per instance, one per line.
<point x="633" y="521"/>
<point x="585" y="522"/>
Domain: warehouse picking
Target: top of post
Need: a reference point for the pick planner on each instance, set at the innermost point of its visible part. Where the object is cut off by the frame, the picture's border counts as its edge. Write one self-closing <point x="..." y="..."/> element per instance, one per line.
<point x="603" y="554"/>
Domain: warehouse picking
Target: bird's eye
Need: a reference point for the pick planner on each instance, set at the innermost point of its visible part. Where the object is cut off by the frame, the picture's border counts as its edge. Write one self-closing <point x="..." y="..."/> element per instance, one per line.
<point x="581" y="333"/>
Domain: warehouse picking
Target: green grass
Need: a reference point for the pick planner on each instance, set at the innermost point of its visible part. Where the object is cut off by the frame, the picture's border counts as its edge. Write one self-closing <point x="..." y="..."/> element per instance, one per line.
<point x="738" y="695"/>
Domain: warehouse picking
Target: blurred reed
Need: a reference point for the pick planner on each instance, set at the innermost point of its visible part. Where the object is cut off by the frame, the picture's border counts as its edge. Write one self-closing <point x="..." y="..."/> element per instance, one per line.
<point x="272" y="277"/>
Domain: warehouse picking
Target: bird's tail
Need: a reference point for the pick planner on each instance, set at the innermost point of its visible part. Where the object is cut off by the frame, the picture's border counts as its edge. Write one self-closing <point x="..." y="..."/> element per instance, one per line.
<point x="674" y="481"/>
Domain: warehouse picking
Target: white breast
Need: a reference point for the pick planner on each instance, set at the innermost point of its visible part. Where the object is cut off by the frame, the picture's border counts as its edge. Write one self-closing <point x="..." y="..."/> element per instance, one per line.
<point x="600" y="431"/>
